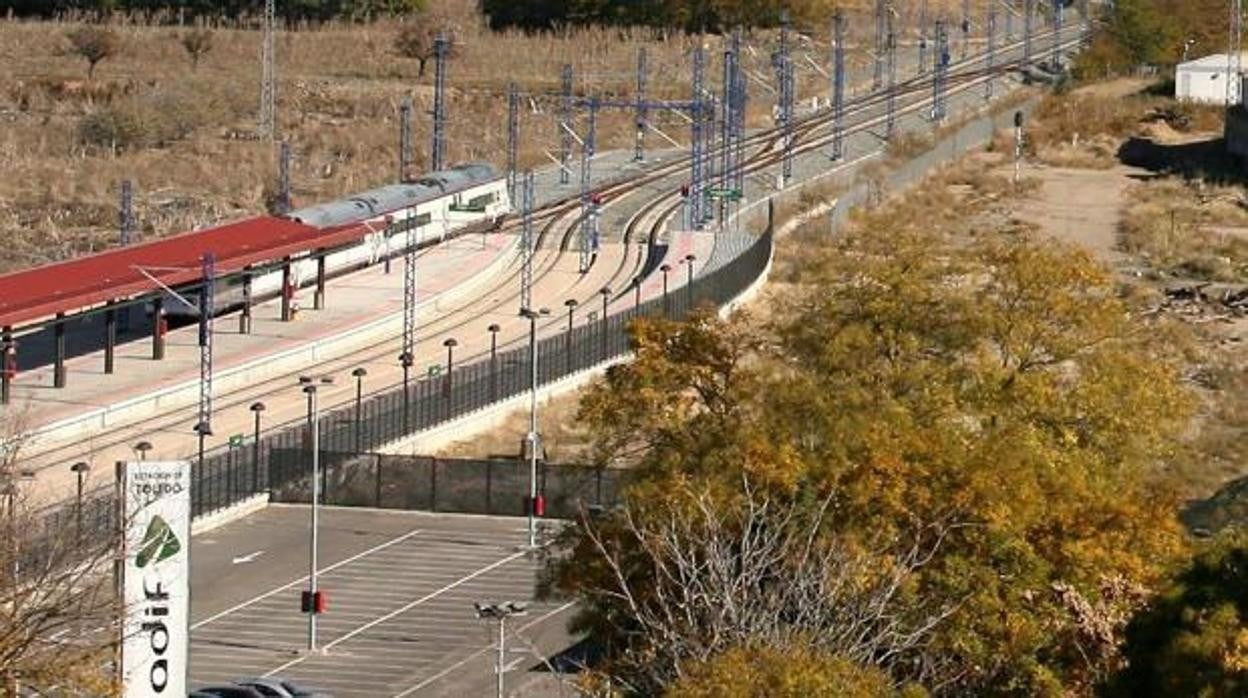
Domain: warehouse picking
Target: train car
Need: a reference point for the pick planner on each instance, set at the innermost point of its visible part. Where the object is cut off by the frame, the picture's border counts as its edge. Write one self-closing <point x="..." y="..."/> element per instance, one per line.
<point x="424" y="212"/>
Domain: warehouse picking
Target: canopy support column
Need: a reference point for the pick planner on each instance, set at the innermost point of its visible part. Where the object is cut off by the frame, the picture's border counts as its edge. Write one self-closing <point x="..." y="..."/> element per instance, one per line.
<point x="158" y="328"/>
<point x="58" y="370"/>
<point x="110" y="337"/>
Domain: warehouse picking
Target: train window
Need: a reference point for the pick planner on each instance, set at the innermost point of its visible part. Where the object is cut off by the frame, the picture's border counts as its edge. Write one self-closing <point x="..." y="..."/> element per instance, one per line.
<point x="406" y="224"/>
<point x="476" y="204"/>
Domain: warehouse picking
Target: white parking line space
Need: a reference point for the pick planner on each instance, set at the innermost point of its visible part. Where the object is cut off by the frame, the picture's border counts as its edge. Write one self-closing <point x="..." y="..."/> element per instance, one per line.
<point x="400" y="612"/>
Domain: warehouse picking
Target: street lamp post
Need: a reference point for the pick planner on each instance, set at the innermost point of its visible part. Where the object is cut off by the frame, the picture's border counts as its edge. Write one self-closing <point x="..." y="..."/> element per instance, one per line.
<point x="667" y="311"/>
<point x="142" y="448"/>
<point x="405" y="359"/>
<point x="494" y="328"/>
<point x="312" y="605"/>
<point x="257" y="409"/>
<point x="636" y="295"/>
<point x="500" y="612"/>
<point x="567" y="360"/>
<point x="605" y="291"/>
<point x="450" y="345"/>
<point x="533" y="439"/>
<point x="359" y="374"/>
<point x="80" y="469"/>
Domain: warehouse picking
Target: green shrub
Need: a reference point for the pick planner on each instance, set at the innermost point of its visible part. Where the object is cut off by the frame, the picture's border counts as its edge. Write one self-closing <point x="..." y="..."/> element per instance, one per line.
<point x="110" y="128"/>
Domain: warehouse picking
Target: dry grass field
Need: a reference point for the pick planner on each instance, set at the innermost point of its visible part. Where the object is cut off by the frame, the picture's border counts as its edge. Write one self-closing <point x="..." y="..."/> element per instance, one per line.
<point x="186" y="137"/>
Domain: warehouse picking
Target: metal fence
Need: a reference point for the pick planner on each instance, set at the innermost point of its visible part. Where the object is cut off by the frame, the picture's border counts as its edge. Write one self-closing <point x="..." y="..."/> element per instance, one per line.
<point x="228" y="477"/>
<point x="452" y="485"/>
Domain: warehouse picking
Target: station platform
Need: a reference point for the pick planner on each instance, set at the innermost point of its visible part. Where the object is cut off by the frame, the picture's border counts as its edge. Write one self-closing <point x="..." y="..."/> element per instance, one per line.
<point x="361" y="309"/>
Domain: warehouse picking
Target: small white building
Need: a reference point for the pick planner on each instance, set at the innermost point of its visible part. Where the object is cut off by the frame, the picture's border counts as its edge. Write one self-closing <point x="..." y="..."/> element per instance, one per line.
<point x="1204" y="79"/>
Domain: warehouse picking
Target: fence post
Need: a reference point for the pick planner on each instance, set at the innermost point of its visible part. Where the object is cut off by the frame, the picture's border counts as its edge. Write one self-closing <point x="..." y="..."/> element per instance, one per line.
<point x="377" y="469"/>
<point x="489" y="487"/>
<point x="433" y="484"/>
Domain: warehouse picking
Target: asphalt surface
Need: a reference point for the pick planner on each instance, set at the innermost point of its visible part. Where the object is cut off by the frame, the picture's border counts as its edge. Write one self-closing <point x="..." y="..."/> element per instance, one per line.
<point x="400" y="588"/>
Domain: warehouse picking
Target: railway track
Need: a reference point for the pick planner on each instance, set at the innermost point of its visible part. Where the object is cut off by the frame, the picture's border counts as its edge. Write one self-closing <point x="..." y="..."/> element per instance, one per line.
<point x="559" y="224"/>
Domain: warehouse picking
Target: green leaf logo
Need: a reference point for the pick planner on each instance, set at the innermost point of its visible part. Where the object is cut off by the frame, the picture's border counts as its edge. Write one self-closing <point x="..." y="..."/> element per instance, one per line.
<point x="159" y="543"/>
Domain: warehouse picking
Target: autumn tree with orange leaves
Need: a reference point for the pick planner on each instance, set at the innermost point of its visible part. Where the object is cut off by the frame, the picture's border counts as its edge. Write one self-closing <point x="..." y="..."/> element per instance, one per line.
<point x="977" y="429"/>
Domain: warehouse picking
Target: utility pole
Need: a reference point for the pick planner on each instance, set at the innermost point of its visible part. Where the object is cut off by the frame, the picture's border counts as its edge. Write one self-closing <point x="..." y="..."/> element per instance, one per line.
<point x="588" y="212"/>
<point x="1235" y="68"/>
<point x="941" y="73"/>
<point x="966" y="28"/>
<point x="741" y="95"/>
<point x="694" y="201"/>
<point x="1018" y="147"/>
<point x="565" y="126"/>
<point x="991" y="58"/>
<point x="527" y="245"/>
<point x="513" y="138"/>
<point x="1029" y="10"/>
<point x="405" y="139"/>
<point x="126" y="217"/>
<point x="838" y="86"/>
<point x="890" y="123"/>
<point x="726" y="126"/>
<point x="207" y="291"/>
<point x="1058" y="17"/>
<point x="784" y="71"/>
<point x="639" y="146"/>
<point x="409" y="300"/>
<point x="877" y="76"/>
<point x="708" y="154"/>
<point x="268" y="74"/>
<point x="283" y="179"/>
<point x="923" y="38"/>
<point x="438" y="153"/>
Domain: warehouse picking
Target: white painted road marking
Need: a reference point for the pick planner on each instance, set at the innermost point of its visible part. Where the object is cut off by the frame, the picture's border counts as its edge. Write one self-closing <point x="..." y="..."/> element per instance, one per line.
<point x="482" y="651"/>
<point x="290" y="585"/>
<point x="244" y="559"/>
<point x="403" y="609"/>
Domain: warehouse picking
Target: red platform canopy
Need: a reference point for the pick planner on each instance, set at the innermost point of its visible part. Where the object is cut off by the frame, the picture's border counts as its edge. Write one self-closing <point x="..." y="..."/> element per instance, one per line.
<point x="85" y="282"/>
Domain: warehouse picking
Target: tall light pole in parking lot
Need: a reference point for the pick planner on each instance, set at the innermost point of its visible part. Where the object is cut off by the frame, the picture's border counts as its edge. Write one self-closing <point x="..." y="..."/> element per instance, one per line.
<point x="312" y="599"/>
<point x="500" y="612"/>
<point x="532" y="437"/>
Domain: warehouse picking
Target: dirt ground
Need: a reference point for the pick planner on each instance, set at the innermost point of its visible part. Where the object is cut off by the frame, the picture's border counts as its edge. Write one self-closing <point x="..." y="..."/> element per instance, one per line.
<point x="564" y="439"/>
<point x="1080" y="206"/>
<point x="1087" y="207"/>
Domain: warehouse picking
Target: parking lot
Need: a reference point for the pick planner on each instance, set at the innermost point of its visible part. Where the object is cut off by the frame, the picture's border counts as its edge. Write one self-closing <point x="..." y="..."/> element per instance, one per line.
<point x="400" y="588"/>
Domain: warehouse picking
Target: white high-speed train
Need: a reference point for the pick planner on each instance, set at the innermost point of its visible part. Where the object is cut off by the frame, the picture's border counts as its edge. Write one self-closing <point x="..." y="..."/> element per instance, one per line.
<point x="440" y="205"/>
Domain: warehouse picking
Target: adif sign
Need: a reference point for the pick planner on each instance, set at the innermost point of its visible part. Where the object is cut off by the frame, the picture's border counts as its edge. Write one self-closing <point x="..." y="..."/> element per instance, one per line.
<point x="156" y="591"/>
